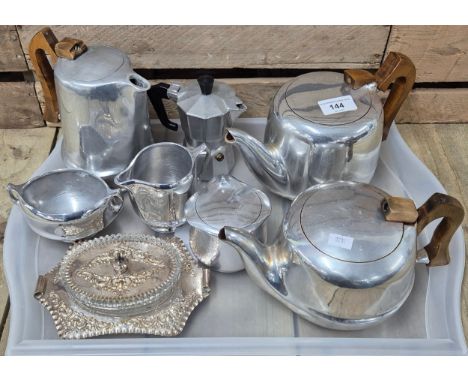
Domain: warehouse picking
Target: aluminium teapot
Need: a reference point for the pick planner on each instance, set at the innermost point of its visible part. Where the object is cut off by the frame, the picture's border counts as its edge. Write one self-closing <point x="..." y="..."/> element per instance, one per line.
<point x="324" y="127"/>
<point x="100" y="101"/>
<point x="345" y="257"/>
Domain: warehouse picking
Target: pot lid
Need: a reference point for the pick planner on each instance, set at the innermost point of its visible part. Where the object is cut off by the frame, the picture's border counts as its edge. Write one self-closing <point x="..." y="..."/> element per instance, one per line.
<point x="97" y="63"/>
<point x="344" y="220"/>
<point x="325" y="98"/>
<point x="206" y="98"/>
<point x="227" y="201"/>
<point x="122" y="274"/>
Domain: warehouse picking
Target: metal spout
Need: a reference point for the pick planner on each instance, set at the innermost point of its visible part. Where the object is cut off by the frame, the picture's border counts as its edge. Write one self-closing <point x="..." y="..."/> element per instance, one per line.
<point x="138" y="83"/>
<point x="264" y="162"/>
<point x="258" y="259"/>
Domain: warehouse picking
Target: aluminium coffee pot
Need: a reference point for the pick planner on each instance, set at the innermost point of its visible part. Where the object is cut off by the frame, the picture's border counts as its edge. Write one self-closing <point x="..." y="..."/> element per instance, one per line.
<point x="326" y="126"/>
<point x="100" y="101"/>
<point x="206" y="107"/>
<point x="345" y="258"/>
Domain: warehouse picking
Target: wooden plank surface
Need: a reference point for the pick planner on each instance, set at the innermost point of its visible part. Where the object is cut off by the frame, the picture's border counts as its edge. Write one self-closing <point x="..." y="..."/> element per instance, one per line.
<point x="12" y="58"/>
<point x="438" y="52"/>
<point x="19" y="107"/>
<point x="443" y="149"/>
<point x="157" y="47"/>
<point x="435" y="106"/>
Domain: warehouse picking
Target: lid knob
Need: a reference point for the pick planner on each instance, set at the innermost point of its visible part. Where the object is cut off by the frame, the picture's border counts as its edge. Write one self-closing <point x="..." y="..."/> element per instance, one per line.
<point x="206" y="84"/>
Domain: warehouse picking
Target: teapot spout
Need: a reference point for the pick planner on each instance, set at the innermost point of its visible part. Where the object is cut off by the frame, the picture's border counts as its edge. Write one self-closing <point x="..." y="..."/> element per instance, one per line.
<point x="258" y="260"/>
<point x="263" y="161"/>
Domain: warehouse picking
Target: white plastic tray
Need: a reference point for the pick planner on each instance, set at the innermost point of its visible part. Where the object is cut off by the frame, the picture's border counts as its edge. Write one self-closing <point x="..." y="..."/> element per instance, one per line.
<point x="239" y="318"/>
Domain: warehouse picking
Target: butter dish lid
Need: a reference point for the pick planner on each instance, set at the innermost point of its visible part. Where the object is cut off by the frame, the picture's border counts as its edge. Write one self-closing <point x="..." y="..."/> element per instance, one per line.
<point x="122" y="274"/>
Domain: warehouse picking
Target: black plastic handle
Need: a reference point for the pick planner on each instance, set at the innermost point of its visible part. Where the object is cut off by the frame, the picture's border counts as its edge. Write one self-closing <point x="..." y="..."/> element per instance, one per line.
<point x="156" y="94"/>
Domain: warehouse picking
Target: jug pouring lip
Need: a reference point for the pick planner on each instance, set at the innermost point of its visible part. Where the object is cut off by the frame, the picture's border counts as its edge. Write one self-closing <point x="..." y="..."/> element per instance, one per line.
<point x="125" y="177"/>
<point x="137" y="82"/>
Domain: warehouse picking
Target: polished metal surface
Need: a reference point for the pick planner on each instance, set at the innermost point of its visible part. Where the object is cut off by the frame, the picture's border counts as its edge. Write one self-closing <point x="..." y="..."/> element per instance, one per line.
<point x="341" y="217"/>
<point x="303" y="147"/>
<point x="103" y="110"/>
<point x="124" y="275"/>
<point x="159" y="179"/>
<point x="329" y="278"/>
<point x="152" y="289"/>
<point x="224" y="200"/>
<point x="67" y="204"/>
<point x="204" y="117"/>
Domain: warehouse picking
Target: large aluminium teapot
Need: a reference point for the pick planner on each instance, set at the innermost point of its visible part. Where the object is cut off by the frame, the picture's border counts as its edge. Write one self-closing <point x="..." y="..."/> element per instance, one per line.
<point x="100" y="101"/>
<point x="346" y="254"/>
<point x="325" y="127"/>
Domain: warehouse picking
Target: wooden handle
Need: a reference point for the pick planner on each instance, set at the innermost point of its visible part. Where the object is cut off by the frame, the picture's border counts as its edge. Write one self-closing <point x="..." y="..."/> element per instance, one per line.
<point x="398" y="70"/>
<point x="451" y="210"/>
<point x="70" y="48"/>
<point x="42" y="43"/>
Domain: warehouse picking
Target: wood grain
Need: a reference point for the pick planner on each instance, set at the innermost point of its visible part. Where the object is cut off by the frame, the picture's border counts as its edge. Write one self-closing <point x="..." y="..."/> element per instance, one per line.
<point x="443" y="150"/>
<point x="435" y="106"/>
<point x="438" y="52"/>
<point x="12" y="58"/>
<point x="234" y="46"/>
<point x="19" y="107"/>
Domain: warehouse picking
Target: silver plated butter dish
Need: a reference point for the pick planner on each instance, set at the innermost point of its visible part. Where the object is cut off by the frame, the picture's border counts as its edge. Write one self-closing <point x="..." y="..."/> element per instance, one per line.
<point x="123" y="284"/>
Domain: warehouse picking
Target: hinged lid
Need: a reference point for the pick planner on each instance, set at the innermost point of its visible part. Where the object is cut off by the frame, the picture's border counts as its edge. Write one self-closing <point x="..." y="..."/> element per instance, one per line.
<point x="122" y="274"/>
<point x="206" y="98"/>
<point x="345" y="221"/>
<point x="96" y="64"/>
<point x="324" y="98"/>
<point x="227" y="201"/>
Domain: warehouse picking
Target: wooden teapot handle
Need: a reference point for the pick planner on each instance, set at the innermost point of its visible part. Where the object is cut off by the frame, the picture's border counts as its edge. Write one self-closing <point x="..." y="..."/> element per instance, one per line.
<point x="398" y="70"/>
<point x="451" y="210"/>
<point x="43" y="43"/>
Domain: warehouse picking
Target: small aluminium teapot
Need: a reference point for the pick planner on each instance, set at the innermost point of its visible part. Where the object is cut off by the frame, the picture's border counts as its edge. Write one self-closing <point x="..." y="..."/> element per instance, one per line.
<point x="100" y="101"/>
<point x="345" y="257"/>
<point x="206" y="107"/>
<point x="325" y="127"/>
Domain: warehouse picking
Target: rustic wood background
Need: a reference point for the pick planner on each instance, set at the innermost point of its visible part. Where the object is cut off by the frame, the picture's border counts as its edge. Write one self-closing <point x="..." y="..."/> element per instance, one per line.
<point x="255" y="60"/>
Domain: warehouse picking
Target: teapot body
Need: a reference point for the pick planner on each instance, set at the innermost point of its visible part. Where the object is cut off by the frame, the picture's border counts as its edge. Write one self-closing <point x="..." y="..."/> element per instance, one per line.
<point x="326" y="126"/>
<point x="315" y="150"/>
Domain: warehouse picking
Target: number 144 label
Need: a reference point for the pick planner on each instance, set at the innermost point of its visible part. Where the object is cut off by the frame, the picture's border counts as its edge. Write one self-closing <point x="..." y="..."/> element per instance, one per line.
<point x="337" y="105"/>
